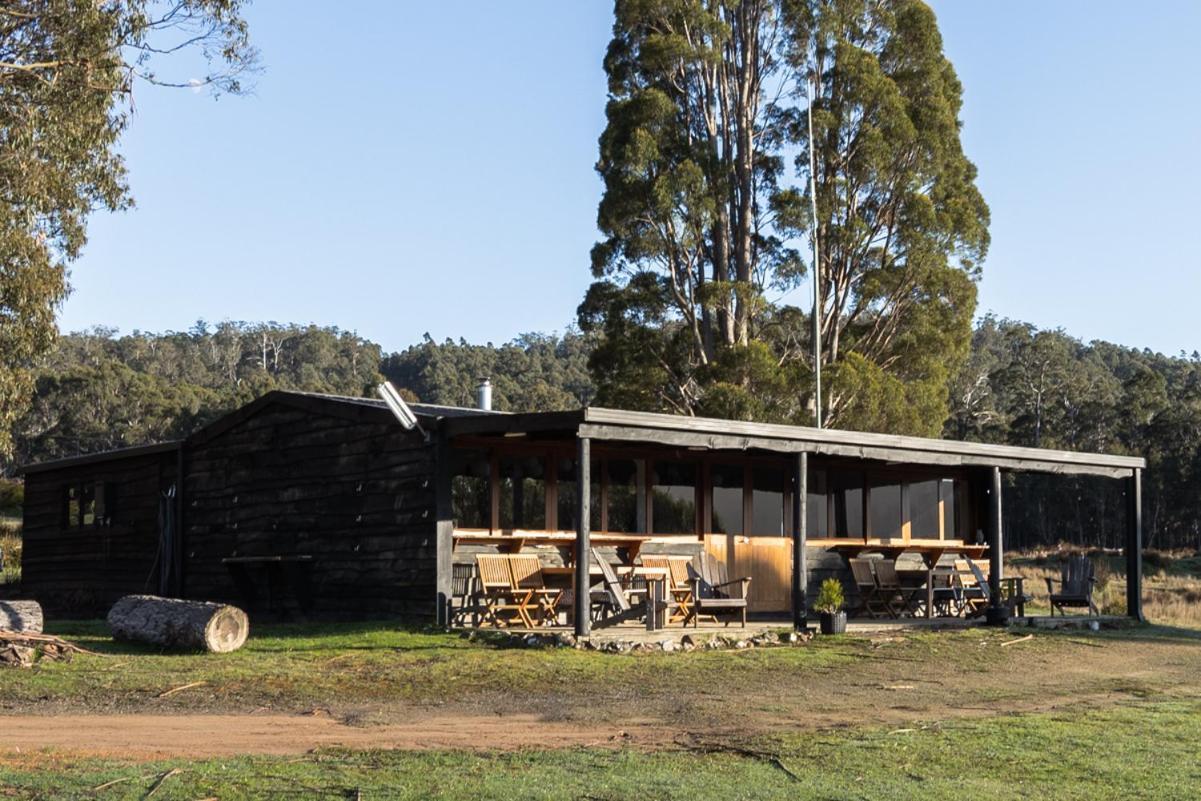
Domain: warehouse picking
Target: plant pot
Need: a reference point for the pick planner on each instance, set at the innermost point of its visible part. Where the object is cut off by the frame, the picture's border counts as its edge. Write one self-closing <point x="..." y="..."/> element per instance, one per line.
<point x="833" y="622"/>
<point x="996" y="616"/>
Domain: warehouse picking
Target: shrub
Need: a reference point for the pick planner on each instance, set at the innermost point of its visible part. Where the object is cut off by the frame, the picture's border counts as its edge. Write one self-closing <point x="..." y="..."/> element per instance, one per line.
<point x="12" y="496"/>
<point x="830" y="597"/>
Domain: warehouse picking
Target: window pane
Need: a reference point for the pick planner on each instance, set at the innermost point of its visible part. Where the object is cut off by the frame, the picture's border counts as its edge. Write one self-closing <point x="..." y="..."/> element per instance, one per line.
<point x="624" y="517"/>
<point x="727" y="499"/>
<point x="523" y="492"/>
<point x="950" y="525"/>
<point x="72" y="507"/>
<point x="566" y="502"/>
<point x="674" y="505"/>
<point x="846" y="491"/>
<point x="767" y="502"/>
<point x="88" y="505"/>
<point x="471" y="501"/>
<point x="923" y="509"/>
<point x="885" y="501"/>
<point x="817" y="509"/>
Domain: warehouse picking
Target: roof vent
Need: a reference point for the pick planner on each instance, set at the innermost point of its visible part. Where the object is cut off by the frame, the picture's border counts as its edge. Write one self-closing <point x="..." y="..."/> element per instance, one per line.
<point x="483" y="395"/>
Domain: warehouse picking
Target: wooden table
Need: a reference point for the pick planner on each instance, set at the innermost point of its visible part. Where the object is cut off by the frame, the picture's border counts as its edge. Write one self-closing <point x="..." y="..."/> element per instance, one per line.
<point x="656" y="584"/>
<point x="515" y="541"/>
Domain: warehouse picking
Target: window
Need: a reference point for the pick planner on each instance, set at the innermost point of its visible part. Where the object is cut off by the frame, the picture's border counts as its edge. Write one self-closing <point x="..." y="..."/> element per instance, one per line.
<point x="471" y="498"/>
<point x="817" y="508"/>
<point x="885" y="509"/>
<point x="73" y="515"/>
<point x="924" y="509"/>
<point x="566" y="502"/>
<point x="727" y="499"/>
<point x="768" y="514"/>
<point x="88" y="504"/>
<point x="626" y="499"/>
<point x="523" y="492"/>
<point x="673" y="508"/>
<point x="846" y="492"/>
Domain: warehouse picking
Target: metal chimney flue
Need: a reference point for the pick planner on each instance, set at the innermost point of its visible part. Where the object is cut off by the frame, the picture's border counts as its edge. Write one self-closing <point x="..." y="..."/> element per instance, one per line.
<point x="483" y="395"/>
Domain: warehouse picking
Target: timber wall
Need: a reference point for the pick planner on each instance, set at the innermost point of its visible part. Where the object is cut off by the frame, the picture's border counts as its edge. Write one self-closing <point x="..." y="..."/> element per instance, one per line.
<point x="346" y="505"/>
<point x="81" y="571"/>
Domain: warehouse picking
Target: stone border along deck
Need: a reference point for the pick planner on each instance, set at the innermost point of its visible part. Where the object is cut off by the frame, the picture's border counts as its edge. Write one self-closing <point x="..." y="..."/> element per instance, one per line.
<point x="636" y="640"/>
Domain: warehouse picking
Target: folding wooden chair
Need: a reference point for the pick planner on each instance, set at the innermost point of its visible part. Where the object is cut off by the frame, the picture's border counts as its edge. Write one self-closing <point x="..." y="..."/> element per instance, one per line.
<point x="500" y="604"/>
<point x="465" y="602"/>
<point x="539" y="603"/>
<point x="870" y="600"/>
<point x="679" y="584"/>
<point x="892" y="593"/>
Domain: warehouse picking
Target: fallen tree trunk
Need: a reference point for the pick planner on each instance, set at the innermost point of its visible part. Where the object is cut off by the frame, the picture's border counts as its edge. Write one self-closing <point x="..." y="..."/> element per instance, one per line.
<point x="174" y="623"/>
<point x="20" y="616"/>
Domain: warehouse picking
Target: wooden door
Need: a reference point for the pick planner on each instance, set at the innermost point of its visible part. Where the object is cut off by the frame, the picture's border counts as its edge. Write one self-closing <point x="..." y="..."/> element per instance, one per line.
<point x="767" y="560"/>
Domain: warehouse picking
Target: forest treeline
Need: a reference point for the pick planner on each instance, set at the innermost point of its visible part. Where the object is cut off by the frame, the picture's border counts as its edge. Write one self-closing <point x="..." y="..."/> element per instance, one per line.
<point x="100" y="390"/>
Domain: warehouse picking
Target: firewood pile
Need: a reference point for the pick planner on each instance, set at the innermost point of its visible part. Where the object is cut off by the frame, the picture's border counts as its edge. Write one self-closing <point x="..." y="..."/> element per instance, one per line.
<point x="23" y="648"/>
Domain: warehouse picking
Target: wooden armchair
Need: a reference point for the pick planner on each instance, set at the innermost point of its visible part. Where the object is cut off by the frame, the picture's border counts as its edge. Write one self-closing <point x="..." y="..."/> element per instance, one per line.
<point x="1075" y="586"/>
<point x="713" y="592"/>
<point x="614" y="600"/>
<point x="1013" y="592"/>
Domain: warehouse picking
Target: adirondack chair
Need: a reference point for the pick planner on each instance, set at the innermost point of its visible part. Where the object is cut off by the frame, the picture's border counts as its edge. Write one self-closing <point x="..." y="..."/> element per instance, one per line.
<point x="465" y="602"/>
<point x="1075" y="586"/>
<point x="869" y="594"/>
<point x="614" y="598"/>
<point x="713" y="593"/>
<point x="899" y="599"/>
<point x="1013" y="593"/>
<point x="539" y="603"/>
<point x="679" y="584"/>
<point x="500" y="603"/>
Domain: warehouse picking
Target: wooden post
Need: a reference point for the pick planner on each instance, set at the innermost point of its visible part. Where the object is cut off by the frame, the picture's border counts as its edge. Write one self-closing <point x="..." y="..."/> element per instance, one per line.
<point x="444" y="529"/>
<point x="583" y="494"/>
<point x="800" y="526"/>
<point x="1134" y="545"/>
<point x="177" y="553"/>
<point x="995" y="540"/>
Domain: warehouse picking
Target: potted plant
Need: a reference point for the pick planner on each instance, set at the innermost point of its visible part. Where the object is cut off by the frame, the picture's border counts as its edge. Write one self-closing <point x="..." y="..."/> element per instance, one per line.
<point x="829" y="607"/>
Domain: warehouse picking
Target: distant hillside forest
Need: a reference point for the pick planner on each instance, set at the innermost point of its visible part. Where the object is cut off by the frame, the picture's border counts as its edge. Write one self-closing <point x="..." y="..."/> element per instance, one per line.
<point x="1022" y="386"/>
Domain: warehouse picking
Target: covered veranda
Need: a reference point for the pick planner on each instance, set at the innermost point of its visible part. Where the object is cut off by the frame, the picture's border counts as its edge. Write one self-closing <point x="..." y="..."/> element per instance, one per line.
<point x="650" y="512"/>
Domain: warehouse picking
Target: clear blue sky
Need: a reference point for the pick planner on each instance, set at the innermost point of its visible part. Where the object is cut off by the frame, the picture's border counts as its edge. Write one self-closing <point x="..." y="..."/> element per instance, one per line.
<point x="427" y="167"/>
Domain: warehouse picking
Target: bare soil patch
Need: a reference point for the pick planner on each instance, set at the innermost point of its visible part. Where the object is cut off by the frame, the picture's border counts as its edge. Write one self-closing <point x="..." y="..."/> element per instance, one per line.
<point x="892" y="683"/>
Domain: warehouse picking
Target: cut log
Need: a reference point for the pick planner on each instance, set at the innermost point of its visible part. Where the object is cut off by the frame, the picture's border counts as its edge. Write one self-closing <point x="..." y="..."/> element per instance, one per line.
<point x="175" y="623"/>
<point x="20" y="616"/>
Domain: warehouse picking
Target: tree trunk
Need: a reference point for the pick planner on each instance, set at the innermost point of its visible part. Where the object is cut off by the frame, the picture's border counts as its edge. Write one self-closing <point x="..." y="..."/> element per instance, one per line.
<point x="21" y="616"/>
<point x="173" y="623"/>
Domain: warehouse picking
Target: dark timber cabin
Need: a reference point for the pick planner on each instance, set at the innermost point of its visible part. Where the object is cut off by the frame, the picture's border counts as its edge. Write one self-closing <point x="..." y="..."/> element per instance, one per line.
<point x="314" y="506"/>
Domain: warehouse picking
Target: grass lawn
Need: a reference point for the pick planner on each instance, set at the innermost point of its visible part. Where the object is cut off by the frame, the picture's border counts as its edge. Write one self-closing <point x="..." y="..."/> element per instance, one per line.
<point x="1138" y="750"/>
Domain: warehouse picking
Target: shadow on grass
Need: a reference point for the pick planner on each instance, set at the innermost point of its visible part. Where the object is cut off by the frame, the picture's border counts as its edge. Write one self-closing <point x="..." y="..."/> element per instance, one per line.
<point x="367" y="636"/>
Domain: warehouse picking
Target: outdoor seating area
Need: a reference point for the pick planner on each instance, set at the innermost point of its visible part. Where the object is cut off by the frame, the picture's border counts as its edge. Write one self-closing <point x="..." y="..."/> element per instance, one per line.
<point x="507" y="590"/>
<point x="896" y="588"/>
